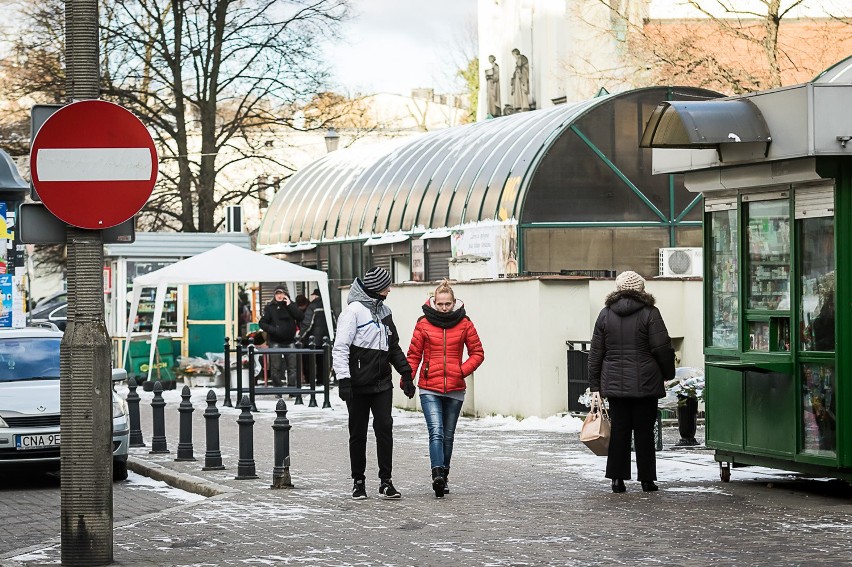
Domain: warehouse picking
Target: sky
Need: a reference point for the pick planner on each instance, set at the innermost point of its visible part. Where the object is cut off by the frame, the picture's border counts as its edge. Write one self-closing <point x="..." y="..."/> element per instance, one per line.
<point x="397" y="45"/>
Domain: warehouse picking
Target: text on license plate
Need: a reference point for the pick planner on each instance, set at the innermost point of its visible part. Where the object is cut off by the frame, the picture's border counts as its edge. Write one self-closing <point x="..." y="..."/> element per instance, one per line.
<point x="37" y="441"/>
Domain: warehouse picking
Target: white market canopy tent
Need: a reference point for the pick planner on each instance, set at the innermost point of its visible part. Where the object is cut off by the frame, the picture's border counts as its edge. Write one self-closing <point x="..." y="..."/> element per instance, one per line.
<point x="224" y="264"/>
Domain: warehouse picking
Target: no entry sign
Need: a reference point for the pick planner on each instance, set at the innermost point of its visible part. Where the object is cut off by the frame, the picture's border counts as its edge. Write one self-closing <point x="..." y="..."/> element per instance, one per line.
<point x="93" y="164"/>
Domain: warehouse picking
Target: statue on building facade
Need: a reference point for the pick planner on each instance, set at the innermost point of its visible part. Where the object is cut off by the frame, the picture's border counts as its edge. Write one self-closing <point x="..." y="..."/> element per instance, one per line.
<point x="492" y="80"/>
<point x="520" y="90"/>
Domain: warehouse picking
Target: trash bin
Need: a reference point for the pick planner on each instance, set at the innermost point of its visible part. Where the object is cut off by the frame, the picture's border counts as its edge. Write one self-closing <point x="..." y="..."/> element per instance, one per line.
<point x="578" y="373"/>
<point x="164" y="362"/>
<point x="687" y="420"/>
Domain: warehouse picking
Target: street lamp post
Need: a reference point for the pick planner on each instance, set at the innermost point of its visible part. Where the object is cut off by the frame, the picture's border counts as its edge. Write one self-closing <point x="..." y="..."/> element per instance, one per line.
<point x="332" y="140"/>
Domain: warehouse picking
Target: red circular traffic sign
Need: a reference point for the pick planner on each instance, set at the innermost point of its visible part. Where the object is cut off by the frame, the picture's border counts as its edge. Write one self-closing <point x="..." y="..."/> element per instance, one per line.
<point x="93" y="164"/>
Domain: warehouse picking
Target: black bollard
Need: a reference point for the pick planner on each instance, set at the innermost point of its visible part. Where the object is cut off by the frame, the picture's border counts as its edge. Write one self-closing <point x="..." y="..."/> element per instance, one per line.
<point x="281" y="427"/>
<point x="298" y="401"/>
<point x="240" y="392"/>
<point x="312" y="374"/>
<point x="326" y="346"/>
<point x="184" y="451"/>
<point x="251" y="370"/>
<point x="212" y="456"/>
<point x="133" y="414"/>
<point x="245" y="466"/>
<point x="227" y="402"/>
<point x="158" y="404"/>
<point x="300" y="368"/>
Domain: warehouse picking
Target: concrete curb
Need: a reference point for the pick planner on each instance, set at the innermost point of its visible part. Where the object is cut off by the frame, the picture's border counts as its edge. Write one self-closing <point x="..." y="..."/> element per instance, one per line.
<point x="182" y="481"/>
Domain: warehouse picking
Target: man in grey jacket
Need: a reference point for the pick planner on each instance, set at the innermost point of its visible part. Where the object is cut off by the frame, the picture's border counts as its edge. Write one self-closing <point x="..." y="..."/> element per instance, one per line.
<point x="365" y="347"/>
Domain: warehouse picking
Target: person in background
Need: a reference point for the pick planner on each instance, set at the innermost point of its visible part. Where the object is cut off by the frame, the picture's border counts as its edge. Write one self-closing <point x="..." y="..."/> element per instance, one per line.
<point x="438" y="342"/>
<point x="302" y="304"/>
<point x="630" y="359"/>
<point x="279" y="320"/>
<point x="243" y="312"/>
<point x="365" y="346"/>
<point x="314" y="326"/>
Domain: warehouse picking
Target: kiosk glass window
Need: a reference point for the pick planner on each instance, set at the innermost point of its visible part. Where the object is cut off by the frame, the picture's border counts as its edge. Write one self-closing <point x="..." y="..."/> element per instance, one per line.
<point x="724" y="308"/>
<point x="769" y="255"/>
<point x="819" y="424"/>
<point x="817" y="274"/>
<point x="169" y="323"/>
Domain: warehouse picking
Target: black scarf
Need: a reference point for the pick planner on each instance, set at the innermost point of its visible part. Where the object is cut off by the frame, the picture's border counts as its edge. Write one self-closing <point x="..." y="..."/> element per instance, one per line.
<point x="443" y="320"/>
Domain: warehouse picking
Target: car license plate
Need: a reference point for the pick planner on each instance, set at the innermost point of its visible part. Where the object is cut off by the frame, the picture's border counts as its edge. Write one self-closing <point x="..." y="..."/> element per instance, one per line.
<point x="24" y="442"/>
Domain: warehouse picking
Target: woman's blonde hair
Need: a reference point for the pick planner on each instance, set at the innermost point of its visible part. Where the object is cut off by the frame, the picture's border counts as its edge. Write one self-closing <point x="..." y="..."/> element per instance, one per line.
<point x="444" y="287"/>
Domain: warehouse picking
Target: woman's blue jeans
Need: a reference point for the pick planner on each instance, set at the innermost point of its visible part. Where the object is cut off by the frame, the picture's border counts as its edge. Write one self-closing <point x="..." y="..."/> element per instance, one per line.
<point x="442" y="414"/>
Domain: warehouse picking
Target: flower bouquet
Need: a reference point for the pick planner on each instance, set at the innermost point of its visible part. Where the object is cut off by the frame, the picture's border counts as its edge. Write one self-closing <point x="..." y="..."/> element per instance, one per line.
<point x="687" y="383"/>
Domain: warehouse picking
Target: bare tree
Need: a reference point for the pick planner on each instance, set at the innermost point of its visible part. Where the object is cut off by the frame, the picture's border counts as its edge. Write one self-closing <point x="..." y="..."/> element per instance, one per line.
<point x="725" y="47"/>
<point x="213" y="79"/>
<point x="33" y="69"/>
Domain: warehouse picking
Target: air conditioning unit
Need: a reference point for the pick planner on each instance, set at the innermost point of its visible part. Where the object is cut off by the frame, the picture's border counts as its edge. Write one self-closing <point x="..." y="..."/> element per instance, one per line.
<point x="681" y="262"/>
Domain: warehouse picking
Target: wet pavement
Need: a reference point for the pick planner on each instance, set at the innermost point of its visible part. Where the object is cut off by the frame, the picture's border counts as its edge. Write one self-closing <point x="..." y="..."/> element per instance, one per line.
<point x="522" y="494"/>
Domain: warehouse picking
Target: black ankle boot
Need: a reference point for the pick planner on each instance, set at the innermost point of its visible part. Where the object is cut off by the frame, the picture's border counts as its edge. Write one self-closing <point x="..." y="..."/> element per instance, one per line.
<point x="446" y="480"/>
<point x="438" y="482"/>
<point x="618" y="485"/>
<point x="649" y="486"/>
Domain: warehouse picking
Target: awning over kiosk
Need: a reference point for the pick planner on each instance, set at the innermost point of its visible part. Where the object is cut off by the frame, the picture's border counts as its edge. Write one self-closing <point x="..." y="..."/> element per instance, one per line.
<point x="704" y="124"/>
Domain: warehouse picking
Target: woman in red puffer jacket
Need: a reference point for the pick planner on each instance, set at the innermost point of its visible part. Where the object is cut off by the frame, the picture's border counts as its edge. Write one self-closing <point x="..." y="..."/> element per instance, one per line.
<point x="438" y="342"/>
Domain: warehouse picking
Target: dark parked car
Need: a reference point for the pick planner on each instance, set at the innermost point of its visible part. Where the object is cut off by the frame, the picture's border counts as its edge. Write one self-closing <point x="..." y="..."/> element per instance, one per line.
<point x="53" y="312"/>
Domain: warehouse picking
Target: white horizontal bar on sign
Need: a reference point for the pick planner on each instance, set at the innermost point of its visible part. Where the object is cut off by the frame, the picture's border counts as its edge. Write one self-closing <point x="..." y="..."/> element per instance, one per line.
<point x="94" y="164"/>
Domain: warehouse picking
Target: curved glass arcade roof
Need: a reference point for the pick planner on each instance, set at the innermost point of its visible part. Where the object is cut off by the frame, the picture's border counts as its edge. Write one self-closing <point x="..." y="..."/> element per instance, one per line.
<point x="469" y="173"/>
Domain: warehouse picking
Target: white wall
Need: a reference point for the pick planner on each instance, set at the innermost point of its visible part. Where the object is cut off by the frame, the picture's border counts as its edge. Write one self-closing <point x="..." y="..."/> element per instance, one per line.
<point x="524" y="323"/>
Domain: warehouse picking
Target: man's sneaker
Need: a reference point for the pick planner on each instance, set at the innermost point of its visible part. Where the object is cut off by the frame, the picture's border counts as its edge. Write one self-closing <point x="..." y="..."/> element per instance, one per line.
<point x="359" y="491"/>
<point x="387" y="490"/>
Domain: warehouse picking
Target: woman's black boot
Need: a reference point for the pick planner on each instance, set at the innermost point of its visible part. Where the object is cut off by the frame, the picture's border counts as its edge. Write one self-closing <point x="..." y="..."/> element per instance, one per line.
<point x="438" y="482"/>
<point x="618" y="485"/>
<point x="649" y="486"/>
<point x="446" y="480"/>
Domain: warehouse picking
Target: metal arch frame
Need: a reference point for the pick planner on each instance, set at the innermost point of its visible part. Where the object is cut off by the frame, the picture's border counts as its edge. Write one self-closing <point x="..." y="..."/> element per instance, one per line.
<point x="393" y="174"/>
<point x="403" y="184"/>
<point x="428" y="160"/>
<point x="322" y="178"/>
<point x="535" y="157"/>
<point x="343" y="178"/>
<point x="492" y="160"/>
<point x="671" y="222"/>
<point x="483" y="149"/>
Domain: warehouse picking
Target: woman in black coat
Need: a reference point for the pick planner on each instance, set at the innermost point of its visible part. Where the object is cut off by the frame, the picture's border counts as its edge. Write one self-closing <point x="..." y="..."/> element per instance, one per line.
<point x="631" y="357"/>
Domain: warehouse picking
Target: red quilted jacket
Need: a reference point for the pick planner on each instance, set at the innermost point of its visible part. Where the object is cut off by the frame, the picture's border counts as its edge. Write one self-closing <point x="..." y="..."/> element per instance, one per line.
<point x="441" y="349"/>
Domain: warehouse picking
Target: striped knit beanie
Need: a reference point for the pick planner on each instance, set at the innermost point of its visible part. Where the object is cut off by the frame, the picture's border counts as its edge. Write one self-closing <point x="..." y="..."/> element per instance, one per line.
<point x="377" y="279"/>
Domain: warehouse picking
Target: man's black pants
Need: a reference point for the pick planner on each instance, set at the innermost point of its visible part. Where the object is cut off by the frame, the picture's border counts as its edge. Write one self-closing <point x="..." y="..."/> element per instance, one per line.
<point x="636" y="416"/>
<point x="360" y="407"/>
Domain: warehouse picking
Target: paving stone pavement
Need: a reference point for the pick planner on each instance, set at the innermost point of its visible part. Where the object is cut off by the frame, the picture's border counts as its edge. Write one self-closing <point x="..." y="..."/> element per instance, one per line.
<point x="518" y="498"/>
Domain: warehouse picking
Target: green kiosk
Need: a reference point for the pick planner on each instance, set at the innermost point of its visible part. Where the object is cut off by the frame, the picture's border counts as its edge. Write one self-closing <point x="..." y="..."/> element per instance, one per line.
<point x="775" y="170"/>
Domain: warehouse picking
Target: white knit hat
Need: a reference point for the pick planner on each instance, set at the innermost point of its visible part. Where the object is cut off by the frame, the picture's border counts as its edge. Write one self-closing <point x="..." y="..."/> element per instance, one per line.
<point x="629" y="280"/>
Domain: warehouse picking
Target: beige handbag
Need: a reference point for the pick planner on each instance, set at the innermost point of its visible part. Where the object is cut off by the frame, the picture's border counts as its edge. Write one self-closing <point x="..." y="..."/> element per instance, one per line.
<point x="596" y="428"/>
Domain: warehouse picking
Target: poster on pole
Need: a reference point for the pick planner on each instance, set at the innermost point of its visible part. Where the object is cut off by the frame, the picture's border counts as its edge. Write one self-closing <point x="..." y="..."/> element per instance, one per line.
<point x="6" y="309"/>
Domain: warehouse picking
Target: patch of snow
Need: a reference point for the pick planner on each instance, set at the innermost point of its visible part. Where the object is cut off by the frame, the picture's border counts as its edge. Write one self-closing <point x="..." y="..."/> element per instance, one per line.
<point x="139" y="482"/>
<point x="554" y="423"/>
